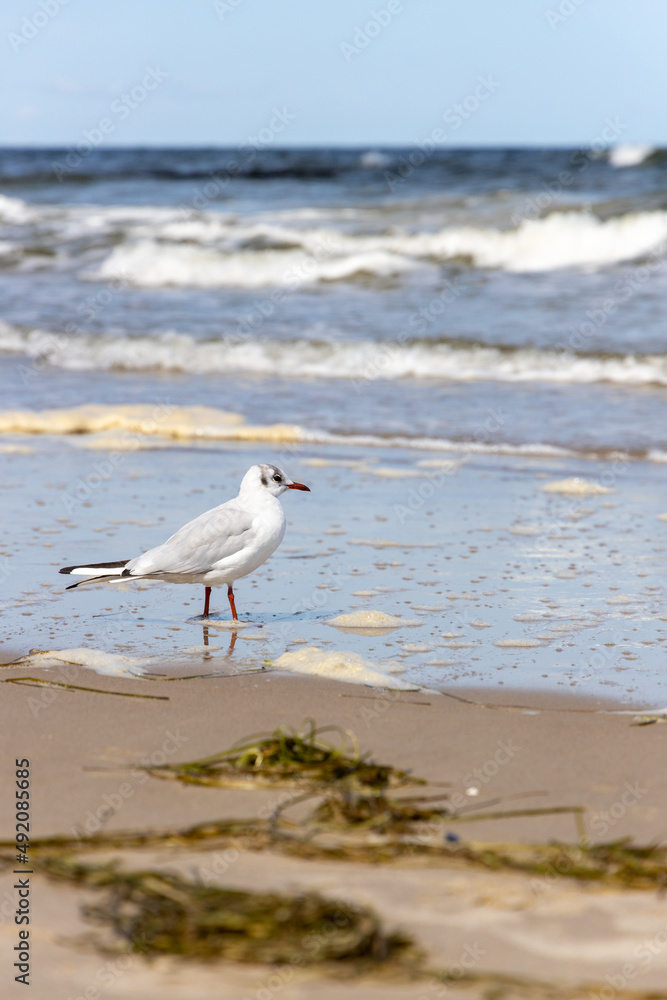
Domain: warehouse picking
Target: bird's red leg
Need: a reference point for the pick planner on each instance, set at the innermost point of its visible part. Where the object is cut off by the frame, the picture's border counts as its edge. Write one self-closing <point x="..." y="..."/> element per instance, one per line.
<point x="230" y="595"/>
<point x="207" y="598"/>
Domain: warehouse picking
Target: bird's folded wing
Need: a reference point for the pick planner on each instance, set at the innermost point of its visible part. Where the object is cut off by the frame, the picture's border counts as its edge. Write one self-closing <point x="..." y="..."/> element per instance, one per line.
<point x="198" y="545"/>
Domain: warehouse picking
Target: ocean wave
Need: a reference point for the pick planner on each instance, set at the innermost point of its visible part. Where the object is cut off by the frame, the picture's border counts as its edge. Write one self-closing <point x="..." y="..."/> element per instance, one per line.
<point x="14" y="210"/>
<point x="358" y="361"/>
<point x="256" y="256"/>
<point x="156" y="247"/>
<point x="157" y="265"/>
<point x="560" y="240"/>
<point x="630" y="156"/>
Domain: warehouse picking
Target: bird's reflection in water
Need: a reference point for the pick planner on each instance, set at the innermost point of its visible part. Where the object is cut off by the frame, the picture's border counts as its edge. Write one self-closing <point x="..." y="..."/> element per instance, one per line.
<point x="232" y="641"/>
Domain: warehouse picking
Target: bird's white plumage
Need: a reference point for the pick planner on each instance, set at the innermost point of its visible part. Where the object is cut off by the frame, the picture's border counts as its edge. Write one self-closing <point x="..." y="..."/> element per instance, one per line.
<point x="218" y="547"/>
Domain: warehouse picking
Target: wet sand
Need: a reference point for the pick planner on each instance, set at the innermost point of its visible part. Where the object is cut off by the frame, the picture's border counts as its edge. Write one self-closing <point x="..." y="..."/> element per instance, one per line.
<point x="551" y="753"/>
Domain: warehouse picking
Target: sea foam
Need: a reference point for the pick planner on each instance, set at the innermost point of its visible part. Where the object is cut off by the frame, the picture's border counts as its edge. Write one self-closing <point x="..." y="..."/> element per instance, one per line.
<point x="292" y="257"/>
<point x="156" y="246"/>
<point x="360" y="361"/>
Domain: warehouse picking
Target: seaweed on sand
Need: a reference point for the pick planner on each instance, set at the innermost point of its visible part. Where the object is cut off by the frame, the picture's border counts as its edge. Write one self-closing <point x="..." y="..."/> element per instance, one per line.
<point x="616" y="863"/>
<point x="357" y="817"/>
<point x="354" y="790"/>
<point x="158" y="913"/>
<point x="288" y="758"/>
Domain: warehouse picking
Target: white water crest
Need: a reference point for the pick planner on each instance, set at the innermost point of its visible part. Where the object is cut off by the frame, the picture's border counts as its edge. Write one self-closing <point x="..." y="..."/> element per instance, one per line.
<point x="359" y="361"/>
<point x="291" y="257"/>
<point x="14" y="211"/>
<point x="629" y="156"/>
<point x="150" y="264"/>
<point x="158" y="247"/>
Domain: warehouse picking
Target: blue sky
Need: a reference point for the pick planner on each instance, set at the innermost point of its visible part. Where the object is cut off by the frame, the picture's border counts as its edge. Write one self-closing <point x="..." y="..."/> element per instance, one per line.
<point x="341" y="71"/>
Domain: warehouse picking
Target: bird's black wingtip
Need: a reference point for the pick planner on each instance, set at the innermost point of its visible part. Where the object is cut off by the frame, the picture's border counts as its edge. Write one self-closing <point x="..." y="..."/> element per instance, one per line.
<point x="117" y="564"/>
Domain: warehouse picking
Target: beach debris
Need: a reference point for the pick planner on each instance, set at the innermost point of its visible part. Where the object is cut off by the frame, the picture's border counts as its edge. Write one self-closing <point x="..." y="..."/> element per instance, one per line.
<point x="621" y="864"/>
<point x="649" y="717"/>
<point x="288" y="757"/>
<point x="41" y="682"/>
<point x="159" y="913"/>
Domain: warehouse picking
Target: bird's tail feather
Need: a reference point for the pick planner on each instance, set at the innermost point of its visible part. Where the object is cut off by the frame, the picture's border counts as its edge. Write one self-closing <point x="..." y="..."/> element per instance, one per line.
<point x="97" y="572"/>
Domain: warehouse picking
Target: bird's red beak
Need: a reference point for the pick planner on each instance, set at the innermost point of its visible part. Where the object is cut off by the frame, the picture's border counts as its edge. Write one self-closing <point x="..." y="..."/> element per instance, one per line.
<point x="298" y="486"/>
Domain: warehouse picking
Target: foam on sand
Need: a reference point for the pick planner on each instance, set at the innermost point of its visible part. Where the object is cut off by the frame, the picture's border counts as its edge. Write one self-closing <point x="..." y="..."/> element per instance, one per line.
<point x="341" y="666"/>
<point x="387" y="543"/>
<point x="112" y="664"/>
<point x="576" y="487"/>
<point x="126" y="427"/>
<point x="16" y="449"/>
<point x="370" y="620"/>
<point x="199" y="422"/>
<point x="517" y="643"/>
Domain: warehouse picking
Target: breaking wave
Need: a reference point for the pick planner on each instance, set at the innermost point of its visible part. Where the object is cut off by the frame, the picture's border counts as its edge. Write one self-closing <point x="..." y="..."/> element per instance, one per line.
<point x="157" y="247"/>
<point x="630" y="156"/>
<point x="292" y="256"/>
<point x="355" y="360"/>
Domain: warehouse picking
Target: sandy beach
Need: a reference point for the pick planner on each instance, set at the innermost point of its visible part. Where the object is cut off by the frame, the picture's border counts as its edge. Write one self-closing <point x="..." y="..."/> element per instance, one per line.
<point x="553" y="752"/>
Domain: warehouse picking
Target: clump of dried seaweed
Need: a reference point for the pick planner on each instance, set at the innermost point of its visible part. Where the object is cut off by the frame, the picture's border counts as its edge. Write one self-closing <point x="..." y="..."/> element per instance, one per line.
<point x="288" y="758"/>
<point x="157" y="913"/>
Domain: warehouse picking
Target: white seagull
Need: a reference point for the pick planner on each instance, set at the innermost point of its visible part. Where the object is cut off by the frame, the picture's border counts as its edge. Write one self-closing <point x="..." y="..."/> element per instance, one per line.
<point x="218" y="547"/>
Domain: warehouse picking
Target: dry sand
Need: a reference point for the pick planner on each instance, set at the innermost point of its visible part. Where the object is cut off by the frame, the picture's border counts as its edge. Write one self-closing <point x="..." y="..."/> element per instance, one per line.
<point x="555" y="753"/>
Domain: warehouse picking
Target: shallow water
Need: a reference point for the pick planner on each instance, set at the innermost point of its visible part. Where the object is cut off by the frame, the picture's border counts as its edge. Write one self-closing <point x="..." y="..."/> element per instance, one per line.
<point x="499" y="581"/>
<point x="428" y="353"/>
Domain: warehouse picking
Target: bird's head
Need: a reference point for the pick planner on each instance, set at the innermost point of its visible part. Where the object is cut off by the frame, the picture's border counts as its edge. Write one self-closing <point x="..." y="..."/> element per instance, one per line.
<point x="271" y="479"/>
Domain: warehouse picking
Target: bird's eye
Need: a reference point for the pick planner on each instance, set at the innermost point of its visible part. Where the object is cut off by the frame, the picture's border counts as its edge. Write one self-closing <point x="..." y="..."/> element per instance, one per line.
<point x="277" y="479"/>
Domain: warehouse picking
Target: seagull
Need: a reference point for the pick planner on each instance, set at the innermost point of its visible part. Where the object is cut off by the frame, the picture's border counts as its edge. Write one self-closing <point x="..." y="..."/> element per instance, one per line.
<point x="218" y="547"/>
